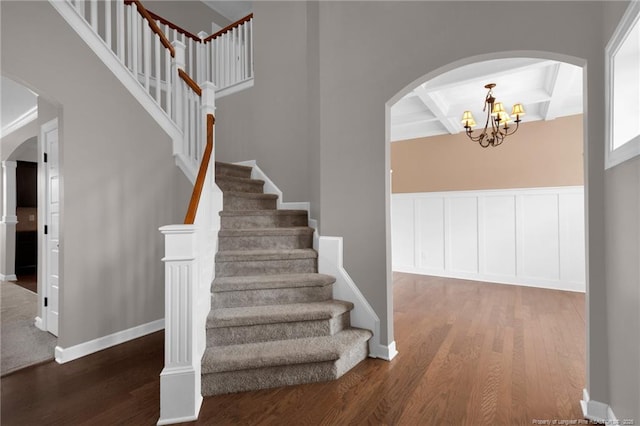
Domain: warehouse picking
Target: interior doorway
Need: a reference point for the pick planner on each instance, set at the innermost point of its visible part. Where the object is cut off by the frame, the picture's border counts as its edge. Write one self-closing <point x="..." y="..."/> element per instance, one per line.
<point x="427" y="247"/>
<point x="25" y="340"/>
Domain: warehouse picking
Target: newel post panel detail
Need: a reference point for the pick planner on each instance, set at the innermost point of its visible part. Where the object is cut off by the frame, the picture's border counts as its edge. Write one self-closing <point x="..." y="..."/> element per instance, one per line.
<point x="180" y="391"/>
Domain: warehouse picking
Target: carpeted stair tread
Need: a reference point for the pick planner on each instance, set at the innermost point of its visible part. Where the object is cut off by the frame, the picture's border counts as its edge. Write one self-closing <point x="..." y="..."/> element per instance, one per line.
<point x="255" y="315"/>
<point x="281" y="352"/>
<point x="264" y="282"/>
<point x="252" y="195"/>
<point x="261" y="255"/>
<point x="239" y="179"/>
<point x="293" y="230"/>
<point x="228" y="169"/>
<point x="265" y="212"/>
<point x="239" y="184"/>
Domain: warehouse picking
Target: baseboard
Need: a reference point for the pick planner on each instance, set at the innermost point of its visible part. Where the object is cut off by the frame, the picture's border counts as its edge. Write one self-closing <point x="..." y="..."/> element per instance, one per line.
<point x="383" y="352"/>
<point x="11" y="277"/>
<point x="510" y="280"/>
<point x="64" y="355"/>
<point x="596" y="411"/>
<point x="38" y="323"/>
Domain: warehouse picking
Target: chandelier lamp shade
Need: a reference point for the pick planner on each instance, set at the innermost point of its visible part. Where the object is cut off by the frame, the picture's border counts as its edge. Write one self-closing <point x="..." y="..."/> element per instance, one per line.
<point x="496" y="127"/>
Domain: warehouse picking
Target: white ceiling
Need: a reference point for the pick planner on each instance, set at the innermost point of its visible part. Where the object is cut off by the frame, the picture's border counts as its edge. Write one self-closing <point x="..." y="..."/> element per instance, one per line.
<point x="547" y="89"/>
<point x="15" y="102"/>
<point x="232" y="10"/>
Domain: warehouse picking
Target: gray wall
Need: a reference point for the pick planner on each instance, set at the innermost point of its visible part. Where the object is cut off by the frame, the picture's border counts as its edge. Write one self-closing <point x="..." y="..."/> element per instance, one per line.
<point x="367" y="53"/>
<point x="622" y="185"/>
<point x="193" y="16"/>
<point x="119" y="181"/>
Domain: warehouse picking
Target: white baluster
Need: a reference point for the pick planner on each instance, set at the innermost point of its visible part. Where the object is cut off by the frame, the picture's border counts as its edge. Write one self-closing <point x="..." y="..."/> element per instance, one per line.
<point x="242" y="56"/>
<point x="93" y="5"/>
<point x="167" y="77"/>
<point x="157" y="69"/>
<point x="134" y="39"/>
<point x="192" y="125"/>
<point x="216" y="79"/>
<point x="202" y="59"/>
<point x="80" y="7"/>
<point x="120" y="30"/>
<point x="177" y="63"/>
<point x="146" y="53"/>
<point x="190" y="69"/>
<point x="225" y="64"/>
<point x="251" y="46"/>
<point x="107" y="23"/>
<point x="234" y="50"/>
<point x="129" y="41"/>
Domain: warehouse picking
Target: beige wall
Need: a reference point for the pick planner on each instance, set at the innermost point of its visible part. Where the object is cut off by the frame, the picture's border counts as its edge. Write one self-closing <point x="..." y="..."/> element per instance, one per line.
<point x="540" y="154"/>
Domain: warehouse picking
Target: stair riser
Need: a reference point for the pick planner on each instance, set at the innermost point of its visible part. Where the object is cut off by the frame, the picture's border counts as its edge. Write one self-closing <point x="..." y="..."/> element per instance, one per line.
<point x="262" y="221"/>
<point x="266" y="378"/>
<point x="266" y="267"/>
<point x="239" y="203"/>
<point x="274" y="296"/>
<point x="225" y="170"/>
<point x="227" y="185"/>
<point x="266" y="242"/>
<point x="278" y="331"/>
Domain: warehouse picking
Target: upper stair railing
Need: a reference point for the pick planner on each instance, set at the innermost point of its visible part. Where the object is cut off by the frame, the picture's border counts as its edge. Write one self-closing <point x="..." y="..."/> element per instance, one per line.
<point x="140" y="40"/>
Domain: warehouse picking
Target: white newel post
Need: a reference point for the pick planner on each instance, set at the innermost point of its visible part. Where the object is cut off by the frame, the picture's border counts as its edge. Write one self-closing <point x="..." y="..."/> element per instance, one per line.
<point x="178" y="62"/>
<point x="180" y="391"/>
<point x="8" y="221"/>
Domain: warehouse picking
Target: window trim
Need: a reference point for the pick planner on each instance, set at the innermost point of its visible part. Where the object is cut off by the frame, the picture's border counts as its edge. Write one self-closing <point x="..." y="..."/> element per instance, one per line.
<point x="629" y="149"/>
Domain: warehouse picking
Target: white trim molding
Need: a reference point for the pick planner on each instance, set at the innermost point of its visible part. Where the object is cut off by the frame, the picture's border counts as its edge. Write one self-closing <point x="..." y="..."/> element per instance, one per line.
<point x="80" y="350"/>
<point x="629" y="23"/>
<point x="530" y="236"/>
<point x="330" y="258"/>
<point x="8" y="277"/>
<point x="19" y="122"/>
<point x="597" y="412"/>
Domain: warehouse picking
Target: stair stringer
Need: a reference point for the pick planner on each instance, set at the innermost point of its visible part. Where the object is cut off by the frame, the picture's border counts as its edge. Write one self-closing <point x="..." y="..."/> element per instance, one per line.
<point x="330" y="262"/>
<point x="122" y="73"/>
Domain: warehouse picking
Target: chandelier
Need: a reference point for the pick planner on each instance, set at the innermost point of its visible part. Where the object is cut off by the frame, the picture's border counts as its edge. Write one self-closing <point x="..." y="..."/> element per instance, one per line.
<point x="497" y="118"/>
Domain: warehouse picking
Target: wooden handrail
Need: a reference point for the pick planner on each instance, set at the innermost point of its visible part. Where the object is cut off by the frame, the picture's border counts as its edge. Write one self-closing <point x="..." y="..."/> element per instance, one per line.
<point x="171" y="25"/>
<point x="154" y="26"/>
<point x="187" y="79"/>
<point x="202" y="173"/>
<point x="174" y="26"/>
<point x="229" y="27"/>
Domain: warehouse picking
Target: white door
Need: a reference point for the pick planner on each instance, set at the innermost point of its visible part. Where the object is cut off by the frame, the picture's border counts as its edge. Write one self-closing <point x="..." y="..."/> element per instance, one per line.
<point x="51" y="226"/>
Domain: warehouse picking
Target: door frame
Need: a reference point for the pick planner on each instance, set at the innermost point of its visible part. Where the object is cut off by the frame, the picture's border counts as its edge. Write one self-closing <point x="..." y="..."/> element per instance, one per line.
<point x="41" y="320"/>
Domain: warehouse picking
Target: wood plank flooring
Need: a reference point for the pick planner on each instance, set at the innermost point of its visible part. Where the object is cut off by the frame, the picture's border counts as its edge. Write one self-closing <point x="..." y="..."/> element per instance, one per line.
<point x="469" y="354"/>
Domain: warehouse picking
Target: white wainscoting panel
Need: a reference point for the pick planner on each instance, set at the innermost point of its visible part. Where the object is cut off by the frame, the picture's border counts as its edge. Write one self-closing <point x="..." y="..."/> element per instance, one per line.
<point x="532" y="236"/>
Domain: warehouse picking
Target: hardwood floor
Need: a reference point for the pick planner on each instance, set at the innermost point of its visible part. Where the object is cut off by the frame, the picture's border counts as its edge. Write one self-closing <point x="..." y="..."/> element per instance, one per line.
<point x="469" y="354"/>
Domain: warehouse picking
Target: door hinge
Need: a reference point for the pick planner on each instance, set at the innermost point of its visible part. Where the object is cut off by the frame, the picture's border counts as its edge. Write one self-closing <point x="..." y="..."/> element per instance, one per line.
<point x="45" y="157"/>
<point x="46" y="302"/>
<point x="46" y="230"/>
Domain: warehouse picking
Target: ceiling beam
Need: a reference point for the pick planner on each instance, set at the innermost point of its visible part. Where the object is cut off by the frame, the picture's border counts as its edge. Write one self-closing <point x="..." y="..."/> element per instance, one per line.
<point x="437" y="109"/>
<point x="558" y="86"/>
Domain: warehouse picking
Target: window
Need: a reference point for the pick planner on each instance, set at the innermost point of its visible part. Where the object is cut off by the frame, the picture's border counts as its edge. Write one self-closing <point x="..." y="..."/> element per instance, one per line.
<point x="623" y="89"/>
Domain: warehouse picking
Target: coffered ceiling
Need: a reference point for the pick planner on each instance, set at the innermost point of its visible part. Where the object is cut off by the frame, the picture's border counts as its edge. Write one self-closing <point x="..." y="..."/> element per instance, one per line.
<point x="547" y="89"/>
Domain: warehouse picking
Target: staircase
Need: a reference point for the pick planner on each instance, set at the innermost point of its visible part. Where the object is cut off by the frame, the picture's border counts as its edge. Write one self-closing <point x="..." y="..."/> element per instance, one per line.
<point x="273" y="320"/>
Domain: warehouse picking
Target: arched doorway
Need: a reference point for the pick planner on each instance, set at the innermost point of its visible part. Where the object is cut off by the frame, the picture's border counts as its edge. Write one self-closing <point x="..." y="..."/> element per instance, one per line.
<point x="22" y="189"/>
<point x="417" y="254"/>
